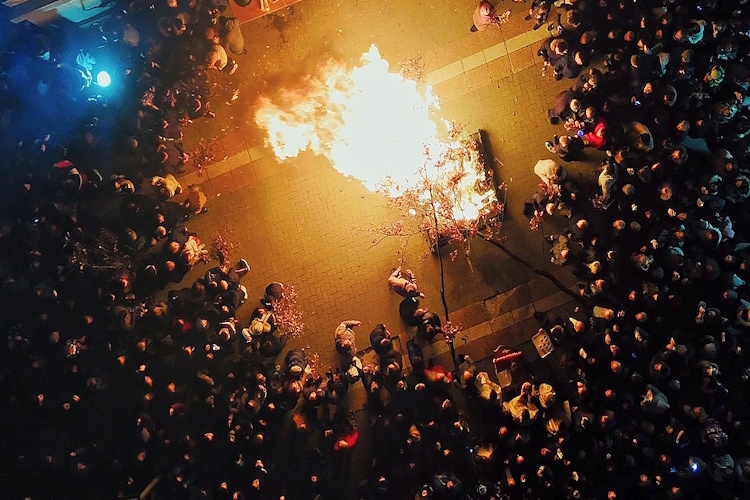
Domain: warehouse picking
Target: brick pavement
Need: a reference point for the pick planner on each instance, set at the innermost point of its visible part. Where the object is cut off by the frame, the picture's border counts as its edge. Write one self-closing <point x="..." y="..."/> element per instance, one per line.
<point x="300" y="222"/>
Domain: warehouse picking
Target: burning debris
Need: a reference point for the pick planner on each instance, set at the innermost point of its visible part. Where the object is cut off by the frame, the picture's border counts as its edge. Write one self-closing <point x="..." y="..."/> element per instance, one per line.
<point x="376" y="126"/>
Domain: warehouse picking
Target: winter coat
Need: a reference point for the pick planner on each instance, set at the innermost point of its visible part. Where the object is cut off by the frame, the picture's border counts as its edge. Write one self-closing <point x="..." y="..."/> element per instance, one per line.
<point x="233" y="37"/>
<point x="654" y="401"/>
<point x="296" y="361"/>
<point x="483" y="14"/>
<point x="217" y="58"/>
<point x="549" y="171"/>
<point x="429" y="326"/>
<point x="416" y="357"/>
<point x="380" y="340"/>
<point x="196" y="200"/>
<point x="345" y="338"/>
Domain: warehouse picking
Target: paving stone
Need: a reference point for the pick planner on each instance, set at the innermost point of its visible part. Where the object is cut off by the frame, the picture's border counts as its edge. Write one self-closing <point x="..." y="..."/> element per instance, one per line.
<point x="501" y="322"/>
<point x="516" y="298"/>
<point x="499" y="67"/>
<point x="478" y="78"/>
<point x="545" y="304"/>
<point x="301" y="222"/>
<point x="522" y="59"/>
<point x="470" y="315"/>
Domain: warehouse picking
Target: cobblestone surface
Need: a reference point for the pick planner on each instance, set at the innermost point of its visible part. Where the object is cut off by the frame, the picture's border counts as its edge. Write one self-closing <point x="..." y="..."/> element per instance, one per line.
<point x="300" y="222"/>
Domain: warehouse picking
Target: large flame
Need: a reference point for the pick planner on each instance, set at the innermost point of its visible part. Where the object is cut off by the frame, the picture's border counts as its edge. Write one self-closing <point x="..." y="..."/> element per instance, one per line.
<point x="371" y="124"/>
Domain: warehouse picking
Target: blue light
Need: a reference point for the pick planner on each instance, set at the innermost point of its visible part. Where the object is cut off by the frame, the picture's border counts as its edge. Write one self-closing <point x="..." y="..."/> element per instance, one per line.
<point x="694" y="466"/>
<point x="103" y="79"/>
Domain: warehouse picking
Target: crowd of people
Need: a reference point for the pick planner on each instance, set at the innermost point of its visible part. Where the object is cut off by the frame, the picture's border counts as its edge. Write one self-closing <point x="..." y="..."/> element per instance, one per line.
<point x="111" y="393"/>
<point x="659" y="375"/>
<point x="103" y="384"/>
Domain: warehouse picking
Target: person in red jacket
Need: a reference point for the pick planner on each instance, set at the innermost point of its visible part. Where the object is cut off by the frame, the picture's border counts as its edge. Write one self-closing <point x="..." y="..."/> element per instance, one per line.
<point x="599" y="137"/>
<point x="345" y="430"/>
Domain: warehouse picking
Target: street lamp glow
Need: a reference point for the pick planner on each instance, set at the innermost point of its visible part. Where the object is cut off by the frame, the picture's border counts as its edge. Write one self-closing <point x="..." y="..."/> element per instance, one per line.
<point x="103" y="79"/>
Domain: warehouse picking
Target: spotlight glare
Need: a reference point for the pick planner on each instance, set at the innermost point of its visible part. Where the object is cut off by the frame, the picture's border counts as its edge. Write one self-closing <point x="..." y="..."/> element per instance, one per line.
<point x="103" y="79"/>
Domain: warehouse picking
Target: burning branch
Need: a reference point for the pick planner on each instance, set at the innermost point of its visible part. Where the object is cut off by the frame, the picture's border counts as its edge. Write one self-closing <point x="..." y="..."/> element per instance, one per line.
<point x="452" y="198"/>
<point x="287" y="313"/>
<point x="203" y="155"/>
<point x="313" y="360"/>
<point x="222" y="244"/>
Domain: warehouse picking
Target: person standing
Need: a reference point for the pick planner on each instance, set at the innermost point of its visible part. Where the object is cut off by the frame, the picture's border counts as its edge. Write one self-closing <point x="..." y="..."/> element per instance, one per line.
<point x="345" y="337"/>
<point x="405" y="284"/>
<point x="380" y="340"/>
<point x="483" y="16"/>
<point x="196" y="200"/>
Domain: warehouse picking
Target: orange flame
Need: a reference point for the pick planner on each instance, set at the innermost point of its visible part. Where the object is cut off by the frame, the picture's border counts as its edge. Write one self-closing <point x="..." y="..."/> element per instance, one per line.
<point x="371" y="124"/>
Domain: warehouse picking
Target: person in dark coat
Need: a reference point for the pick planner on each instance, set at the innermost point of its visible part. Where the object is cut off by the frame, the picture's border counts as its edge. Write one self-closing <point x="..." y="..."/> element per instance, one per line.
<point x="554" y="53"/>
<point x="429" y="324"/>
<point x="380" y="340"/>
<point x="567" y="147"/>
<point x="296" y="362"/>
<point x="271" y="345"/>
<point x="416" y="357"/>
<point x="188" y="299"/>
<point x="336" y="387"/>
<point x="274" y="292"/>
<point x="560" y="110"/>
<point x="391" y="364"/>
<point x="228" y="301"/>
<point x="216" y="275"/>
